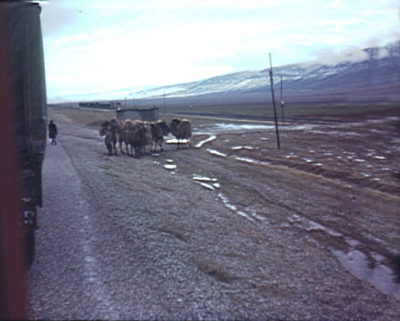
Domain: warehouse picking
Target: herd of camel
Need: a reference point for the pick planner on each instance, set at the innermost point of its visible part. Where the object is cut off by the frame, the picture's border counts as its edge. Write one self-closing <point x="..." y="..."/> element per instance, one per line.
<point x="136" y="135"/>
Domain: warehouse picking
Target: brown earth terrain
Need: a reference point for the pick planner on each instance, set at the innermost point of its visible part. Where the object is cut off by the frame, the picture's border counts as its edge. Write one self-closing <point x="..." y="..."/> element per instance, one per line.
<point x="307" y="231"/>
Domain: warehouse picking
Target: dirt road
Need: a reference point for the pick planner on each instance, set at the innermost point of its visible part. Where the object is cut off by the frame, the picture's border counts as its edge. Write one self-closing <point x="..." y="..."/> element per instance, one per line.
<point x="239" y="230"/>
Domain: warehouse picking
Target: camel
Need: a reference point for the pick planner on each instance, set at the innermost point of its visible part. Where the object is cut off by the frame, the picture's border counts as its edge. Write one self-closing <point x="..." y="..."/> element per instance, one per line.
<point x="146" y="138"/>
<point x="181" y="129"/>
<point x="113" y="131"/>
<point x="104" y="128"/>
<point x="136" y="135"/>
<point x="133" y="136"/>
<point x="159" y="129"/>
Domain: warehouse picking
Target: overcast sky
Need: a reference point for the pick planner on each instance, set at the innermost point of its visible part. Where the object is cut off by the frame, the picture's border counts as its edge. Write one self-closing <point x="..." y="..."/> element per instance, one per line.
<point x="97" y="45"/>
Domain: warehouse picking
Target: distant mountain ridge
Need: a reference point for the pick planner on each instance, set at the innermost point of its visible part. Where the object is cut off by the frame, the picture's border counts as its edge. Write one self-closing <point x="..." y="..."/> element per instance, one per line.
<point x="376" y="76"/>
<point x="380" y="68"/>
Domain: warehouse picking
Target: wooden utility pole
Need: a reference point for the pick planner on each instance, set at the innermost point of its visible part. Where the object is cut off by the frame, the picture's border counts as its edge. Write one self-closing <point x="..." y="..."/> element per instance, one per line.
<point x="164" y="105"/>
<point x="282" y="103"/>
<point x="273" y="101"/>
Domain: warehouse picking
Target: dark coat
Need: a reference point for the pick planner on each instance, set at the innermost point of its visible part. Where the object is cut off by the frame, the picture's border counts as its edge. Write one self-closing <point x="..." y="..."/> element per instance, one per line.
<point x="52" y="130"/>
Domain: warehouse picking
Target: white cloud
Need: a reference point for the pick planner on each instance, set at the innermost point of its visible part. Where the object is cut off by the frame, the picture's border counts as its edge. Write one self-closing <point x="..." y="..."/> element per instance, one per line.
<point x="95" y="45"/>
<point x="337" y="4"/>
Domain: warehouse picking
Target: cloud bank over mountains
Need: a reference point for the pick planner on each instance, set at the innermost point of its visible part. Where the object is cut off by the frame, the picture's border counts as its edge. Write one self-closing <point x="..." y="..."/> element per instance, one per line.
<point x="376" y="66"/>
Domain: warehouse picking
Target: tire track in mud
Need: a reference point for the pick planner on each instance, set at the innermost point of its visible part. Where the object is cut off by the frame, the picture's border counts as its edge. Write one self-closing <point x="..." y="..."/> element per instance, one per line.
<point x="330" y="173"/>
<point x="369" y="266"/>
<point x="308" y="167"/>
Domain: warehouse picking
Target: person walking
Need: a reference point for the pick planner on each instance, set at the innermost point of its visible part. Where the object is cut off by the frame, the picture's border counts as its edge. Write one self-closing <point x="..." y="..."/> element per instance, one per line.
<point x="52" y="132"/>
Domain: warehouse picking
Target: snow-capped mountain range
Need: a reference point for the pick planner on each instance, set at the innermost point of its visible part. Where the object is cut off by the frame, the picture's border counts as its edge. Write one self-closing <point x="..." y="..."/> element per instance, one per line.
<point x="376" y="74"/>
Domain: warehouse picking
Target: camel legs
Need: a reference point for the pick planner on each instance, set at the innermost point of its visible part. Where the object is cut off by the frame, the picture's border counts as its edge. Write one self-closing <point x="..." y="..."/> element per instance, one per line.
<point x="120" y="146"/>
<point x="115" y="148"/>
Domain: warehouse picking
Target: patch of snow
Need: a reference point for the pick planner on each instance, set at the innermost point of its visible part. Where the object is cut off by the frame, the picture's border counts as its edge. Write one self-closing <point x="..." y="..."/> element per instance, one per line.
<point x="209" y="139"/>
<point x="170" y="166"/>
<point x="233" y="207"/>
<point x="215" y="152"/>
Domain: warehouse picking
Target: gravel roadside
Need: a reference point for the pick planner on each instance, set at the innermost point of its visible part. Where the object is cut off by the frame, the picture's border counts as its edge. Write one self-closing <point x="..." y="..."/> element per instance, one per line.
<point x="122" y="238"/>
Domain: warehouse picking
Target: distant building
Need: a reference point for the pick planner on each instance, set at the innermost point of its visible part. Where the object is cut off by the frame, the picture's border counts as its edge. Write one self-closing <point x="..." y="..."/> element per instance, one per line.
<point x="115" y="105"/>
<point x="145" y="114"/>
<point x="97" y="104"/>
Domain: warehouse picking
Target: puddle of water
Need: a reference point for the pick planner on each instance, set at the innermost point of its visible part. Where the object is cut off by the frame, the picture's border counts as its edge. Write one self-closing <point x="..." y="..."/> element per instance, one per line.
<point x="209" y="139"/>
<point x="355" y="261"/>
<point x="298" y="127"/>
<point x="245" y="215"/>
<point x="215" y="152"/>
<point x="243" y="147"/>
<point x="88" y="259"/>
<point x="176" y="141"/>
<point x="377" y="257"/>
<point x="208" y="186"/>
<point x="378" y="240"/>
<point x="221" y="127"/>
<point x="258" y="217"/>
<point x="366" y="174"/>
<point x="226" y="203"/>
<point x="314" y="226"/>
<point x="203" y="178"/>
<point x="227" y="127"/>
<point x="247" y="160"/>
<point x="310" y="225"/>
<point x="380" y="277"/>
<point x="252" y="161"/>
<point x="170" y="166"/>
<point x="234" y="208"/>
<point x="317" y="226"/>
<point x="352" y="242"/>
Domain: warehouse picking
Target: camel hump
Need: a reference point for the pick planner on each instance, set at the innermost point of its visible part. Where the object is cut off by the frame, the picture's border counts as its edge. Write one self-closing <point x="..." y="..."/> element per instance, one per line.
<point x="186" y="128"/>
<point x="128" y="124"/>
<point x="114" y="122"/>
